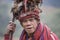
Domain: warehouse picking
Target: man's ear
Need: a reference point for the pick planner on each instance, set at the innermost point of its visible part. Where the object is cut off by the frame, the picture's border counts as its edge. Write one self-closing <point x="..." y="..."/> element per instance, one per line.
<point x="38" y="21"/>
<point x="21" y="24"/>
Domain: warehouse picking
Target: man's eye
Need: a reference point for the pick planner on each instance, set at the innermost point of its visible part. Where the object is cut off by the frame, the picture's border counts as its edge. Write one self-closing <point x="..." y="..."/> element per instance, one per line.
<point x="30" y="19"/>
<point x="24" y="20"/>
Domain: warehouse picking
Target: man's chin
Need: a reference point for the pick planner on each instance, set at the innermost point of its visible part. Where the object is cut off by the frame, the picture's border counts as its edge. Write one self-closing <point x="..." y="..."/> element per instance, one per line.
<point x="30" y="32"/>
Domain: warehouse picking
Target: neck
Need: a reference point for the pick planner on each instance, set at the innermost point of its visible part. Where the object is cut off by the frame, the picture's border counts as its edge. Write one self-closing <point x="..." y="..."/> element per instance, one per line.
<point x="30" y="34"/>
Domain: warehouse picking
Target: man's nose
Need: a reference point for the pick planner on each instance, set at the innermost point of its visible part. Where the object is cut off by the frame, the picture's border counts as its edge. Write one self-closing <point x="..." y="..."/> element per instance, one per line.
<point x="28" y="22"/>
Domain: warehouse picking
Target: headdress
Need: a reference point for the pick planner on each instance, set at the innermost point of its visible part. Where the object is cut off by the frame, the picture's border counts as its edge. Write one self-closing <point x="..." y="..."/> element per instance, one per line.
<point x="27" y="9"/>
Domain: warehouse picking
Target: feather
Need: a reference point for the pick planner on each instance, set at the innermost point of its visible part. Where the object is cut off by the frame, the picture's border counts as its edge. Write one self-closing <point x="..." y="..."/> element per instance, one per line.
<point x="27" y="5"/>
<point x="17" y="1"/>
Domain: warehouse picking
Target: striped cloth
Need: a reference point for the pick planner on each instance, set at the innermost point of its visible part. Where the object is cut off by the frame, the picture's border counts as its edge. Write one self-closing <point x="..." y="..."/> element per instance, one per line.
<point x="42" y="33"/>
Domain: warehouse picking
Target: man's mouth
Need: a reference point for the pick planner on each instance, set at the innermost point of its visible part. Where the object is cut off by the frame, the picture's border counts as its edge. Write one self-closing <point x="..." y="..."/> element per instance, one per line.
<point x="29" y="26"/>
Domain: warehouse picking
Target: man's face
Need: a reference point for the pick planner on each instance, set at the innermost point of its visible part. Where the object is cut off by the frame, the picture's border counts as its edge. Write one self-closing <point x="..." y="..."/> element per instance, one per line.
<point x="30" y="25"/>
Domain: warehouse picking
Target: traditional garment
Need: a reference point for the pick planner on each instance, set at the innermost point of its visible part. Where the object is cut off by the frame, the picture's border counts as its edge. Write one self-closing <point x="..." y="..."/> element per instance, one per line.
<point x="29" y="8"/>
<point x="42" y="33"/>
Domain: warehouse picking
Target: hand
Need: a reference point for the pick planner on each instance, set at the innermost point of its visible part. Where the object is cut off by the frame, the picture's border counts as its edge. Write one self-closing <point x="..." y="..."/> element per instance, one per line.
<point x="11" y="27"/>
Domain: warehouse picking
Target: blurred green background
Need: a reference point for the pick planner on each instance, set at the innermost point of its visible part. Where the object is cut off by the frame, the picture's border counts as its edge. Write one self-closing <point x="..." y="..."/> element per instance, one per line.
<point x="49" y="16"/>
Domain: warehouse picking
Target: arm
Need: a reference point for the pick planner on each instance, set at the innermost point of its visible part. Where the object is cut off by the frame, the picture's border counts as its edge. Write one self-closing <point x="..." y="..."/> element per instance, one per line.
<point x="11" y="27"/>
<point x="6" y="37"/>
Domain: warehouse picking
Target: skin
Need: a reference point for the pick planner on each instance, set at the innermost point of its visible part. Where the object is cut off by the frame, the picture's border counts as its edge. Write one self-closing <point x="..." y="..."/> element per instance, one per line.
<point x="10" y="27"/>
<point x="30" y="25"/>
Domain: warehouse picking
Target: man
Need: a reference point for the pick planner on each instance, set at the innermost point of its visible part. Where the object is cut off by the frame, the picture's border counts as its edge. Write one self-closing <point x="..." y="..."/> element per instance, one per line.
<point x="34" y="29"/>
